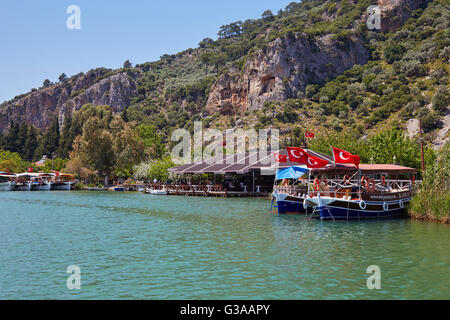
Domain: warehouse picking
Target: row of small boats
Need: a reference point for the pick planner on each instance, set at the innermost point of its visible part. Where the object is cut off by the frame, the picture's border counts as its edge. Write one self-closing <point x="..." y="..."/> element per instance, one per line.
<point x="36" y="181"/>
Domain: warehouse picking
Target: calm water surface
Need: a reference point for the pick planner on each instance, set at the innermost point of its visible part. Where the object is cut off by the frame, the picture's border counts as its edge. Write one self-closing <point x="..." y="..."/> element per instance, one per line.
<point x="135" y="246"/>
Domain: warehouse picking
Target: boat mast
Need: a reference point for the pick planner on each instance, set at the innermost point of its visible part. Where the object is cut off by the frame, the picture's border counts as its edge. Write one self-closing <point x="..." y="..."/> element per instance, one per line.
<point x="421" y="145"/>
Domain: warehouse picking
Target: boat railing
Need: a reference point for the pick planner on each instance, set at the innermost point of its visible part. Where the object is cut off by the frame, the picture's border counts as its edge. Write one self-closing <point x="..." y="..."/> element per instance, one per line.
<point x="349" y="189"/>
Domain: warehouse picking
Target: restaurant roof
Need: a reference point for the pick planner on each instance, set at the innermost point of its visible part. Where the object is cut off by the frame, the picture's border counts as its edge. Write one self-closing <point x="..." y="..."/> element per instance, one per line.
<point x="241" y="163"/>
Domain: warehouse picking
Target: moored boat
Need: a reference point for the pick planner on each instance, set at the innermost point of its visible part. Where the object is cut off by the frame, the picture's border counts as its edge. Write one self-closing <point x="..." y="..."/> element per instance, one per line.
<point x="343" y="192"/>
<point x="7" y="181"/>
<point x="63" y="181"/>
<point x="23" y="182"/>
<point x="157" y="192"/>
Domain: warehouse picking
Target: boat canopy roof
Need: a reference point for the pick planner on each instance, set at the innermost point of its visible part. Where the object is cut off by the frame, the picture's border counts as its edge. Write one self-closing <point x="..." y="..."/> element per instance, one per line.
<point x="4" y="174"/>
<point x="367" y="169"/>
<point x="66" y="175"/>
<point x="291" y="173"/>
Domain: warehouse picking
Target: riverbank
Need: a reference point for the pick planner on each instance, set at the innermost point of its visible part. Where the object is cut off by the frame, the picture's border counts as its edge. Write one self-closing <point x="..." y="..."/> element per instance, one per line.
<point x="432" y="201"/>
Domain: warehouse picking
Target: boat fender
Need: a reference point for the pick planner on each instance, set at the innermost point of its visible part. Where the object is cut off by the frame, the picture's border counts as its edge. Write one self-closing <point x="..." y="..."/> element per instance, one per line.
<point x="401" y="204"/>
<point x="385" y="206"/>
<point x="362" y="205"/>
<point x="305" y="205"/>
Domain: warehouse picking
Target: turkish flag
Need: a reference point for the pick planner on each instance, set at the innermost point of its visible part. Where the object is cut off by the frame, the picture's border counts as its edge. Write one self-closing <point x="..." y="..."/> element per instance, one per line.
<point x="342" y="156"/>
<point x="297" y="155"/>
<point x="309" y="135"/>
<point x="280" y="158"/>
<point x="315" y="163"/>
<point x="30" y="169"/>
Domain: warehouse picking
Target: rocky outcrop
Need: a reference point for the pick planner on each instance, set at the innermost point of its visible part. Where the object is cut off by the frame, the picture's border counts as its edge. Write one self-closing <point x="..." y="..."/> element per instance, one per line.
<point x="286" y="67"/>
<point x="394" y="13"/>
<point x="40" y="107"/>
<point x="289" y="64"/>
<point x="115" y="91"/>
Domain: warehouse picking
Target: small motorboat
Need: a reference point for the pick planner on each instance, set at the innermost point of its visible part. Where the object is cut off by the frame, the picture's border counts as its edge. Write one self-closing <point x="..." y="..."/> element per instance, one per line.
<point x="119" y="189"/>
<point x="156" y="192"/>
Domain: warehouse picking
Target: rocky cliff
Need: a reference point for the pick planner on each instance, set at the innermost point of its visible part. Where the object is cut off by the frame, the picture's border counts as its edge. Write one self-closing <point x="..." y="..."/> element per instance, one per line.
<point x="280" y="71"/>
<point x="283" y="70"/>
<point x="289" y="64"/>
<point x="41" y="106"/>
<point x="394" y="13"/>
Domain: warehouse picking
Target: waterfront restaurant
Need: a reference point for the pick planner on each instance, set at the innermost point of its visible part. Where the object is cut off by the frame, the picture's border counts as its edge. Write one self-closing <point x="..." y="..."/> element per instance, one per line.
<point x="243" y="175"/>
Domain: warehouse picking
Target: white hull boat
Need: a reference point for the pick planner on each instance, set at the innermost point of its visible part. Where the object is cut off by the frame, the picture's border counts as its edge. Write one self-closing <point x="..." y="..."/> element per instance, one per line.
<point x="23" y="186"/>
<point x="45" y="186"/>
<point x="63" y="186"/>
<point x="157" y="192"/>
<point x="7" y="186"/>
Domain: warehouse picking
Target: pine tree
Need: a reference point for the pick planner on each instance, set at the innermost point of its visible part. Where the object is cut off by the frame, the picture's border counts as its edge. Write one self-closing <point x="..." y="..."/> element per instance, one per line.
<point x="51" y="138"/>
<point x="30" y="144"/>
<point x="66" y="140"/>
<point x="125" y="115"/>
<point x="22" y="135"/>
<point x="11" y="137"/>
<point x="49" y="143"/>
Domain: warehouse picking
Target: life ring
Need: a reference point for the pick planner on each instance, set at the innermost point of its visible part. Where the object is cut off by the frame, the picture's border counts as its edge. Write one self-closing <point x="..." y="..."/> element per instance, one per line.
<point x="413" y="180"/>
<point x="362" y="205"/>
<point x="385" y="206"/>
<point x="316" y="184"/>
<point x="371" y="185"/>
<point x="364" y="182"/>
<point x="383" y="181"/>
<point x="346" y="180"/>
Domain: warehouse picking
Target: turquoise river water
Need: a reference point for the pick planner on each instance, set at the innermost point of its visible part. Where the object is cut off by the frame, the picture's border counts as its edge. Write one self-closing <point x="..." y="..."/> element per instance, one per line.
<point x="136" y="246"/>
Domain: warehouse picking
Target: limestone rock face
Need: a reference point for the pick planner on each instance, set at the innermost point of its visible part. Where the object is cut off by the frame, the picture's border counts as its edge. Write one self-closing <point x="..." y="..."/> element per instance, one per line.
<point x="283" y="69"/>
<point x="115" y="91"/>
<point x="394" y="13"/>
<point x="39" y="107"/>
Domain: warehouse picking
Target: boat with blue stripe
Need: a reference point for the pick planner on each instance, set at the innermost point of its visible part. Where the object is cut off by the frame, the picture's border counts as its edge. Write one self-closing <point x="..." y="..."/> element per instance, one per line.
<point x="344" y="192"/>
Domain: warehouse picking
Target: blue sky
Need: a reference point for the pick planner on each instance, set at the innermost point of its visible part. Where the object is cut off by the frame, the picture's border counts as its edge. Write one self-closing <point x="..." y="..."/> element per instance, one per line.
<point x="36" y="44"/>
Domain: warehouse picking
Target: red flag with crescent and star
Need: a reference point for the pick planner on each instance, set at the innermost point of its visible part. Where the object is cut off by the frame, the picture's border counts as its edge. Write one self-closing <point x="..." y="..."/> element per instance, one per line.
<point x="342" y="156"/>
<point x="309" y="135"/>
<point x="315" y="163"/>
<point x="280" y="158"/>
<point x="297" y="155"/>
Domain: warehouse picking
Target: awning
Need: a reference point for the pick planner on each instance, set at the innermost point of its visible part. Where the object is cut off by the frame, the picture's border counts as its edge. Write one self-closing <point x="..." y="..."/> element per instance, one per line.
<point x="291" y="173"/>
<point x="241" y="163"/>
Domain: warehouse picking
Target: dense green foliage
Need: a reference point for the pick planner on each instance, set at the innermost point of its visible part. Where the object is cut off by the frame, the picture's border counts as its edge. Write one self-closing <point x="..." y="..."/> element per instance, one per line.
<point x="432" y="201"/>
<point x="156" y="169"/>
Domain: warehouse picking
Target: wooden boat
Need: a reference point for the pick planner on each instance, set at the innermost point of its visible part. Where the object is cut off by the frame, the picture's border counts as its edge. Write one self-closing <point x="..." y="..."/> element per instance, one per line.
<point x="342" y="192"/>
<point x="7" y="181"/>
<point x="63" y="181"/>
<point x="23" y="182"/>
